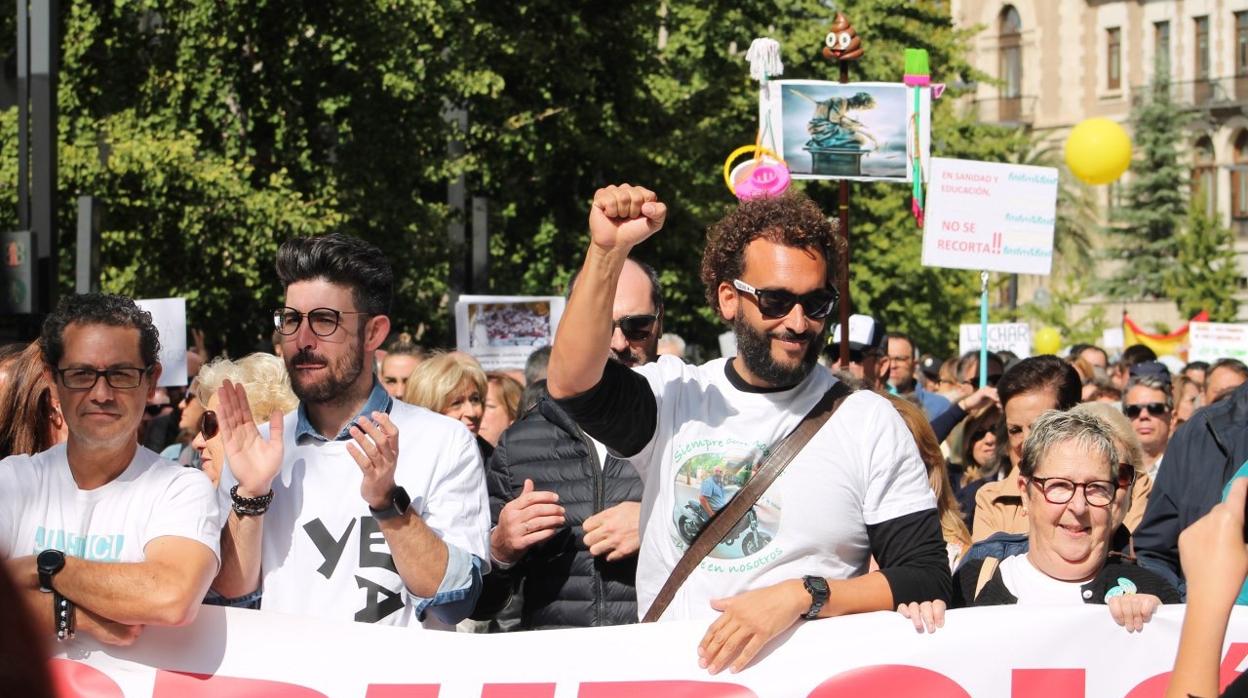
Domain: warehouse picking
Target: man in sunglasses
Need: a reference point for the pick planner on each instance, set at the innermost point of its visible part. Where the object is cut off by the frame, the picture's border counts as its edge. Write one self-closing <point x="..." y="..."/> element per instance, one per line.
<point x="1149" y="405"/>
<point x="354" y="505"/>
<point x="591" y="519"/>
<point x="858" y="490"/>
<point x="102" y="535"/>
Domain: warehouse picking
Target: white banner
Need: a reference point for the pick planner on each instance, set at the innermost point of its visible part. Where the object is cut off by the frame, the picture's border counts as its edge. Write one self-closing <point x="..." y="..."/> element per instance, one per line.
<point x="990" y="217"/>
<point x="1211" y="341"/>
<point x="1002" y="336"/>
<point x="169" y="316"/>
<point x="1016" y="651"/>
<point x="501" y="331"/>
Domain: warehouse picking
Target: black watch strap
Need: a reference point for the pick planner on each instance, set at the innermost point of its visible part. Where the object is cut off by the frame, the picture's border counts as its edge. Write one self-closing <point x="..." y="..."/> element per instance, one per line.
<point x="817" y="587"/>
<point x="47" y="564"/>
<point x="399" y="502"/>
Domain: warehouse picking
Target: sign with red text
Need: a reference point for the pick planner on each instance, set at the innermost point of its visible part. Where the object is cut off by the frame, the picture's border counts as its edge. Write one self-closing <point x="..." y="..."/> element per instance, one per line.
<point x="990" y="216"/>
<point x="1017" y="651"/>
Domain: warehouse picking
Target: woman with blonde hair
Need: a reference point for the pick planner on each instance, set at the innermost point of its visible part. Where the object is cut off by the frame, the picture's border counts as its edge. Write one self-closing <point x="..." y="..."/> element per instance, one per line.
<point x="268" y="388"/>
<point x="452" y="384"/>
<point x="952" y="527"/>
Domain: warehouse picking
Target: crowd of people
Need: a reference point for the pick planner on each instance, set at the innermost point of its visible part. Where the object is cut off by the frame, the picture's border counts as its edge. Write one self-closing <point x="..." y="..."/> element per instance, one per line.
<point x="353" y="476"/>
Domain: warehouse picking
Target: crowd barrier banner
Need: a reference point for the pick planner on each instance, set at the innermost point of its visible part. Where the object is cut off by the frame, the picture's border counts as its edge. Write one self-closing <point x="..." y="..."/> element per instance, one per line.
<point x="1016" y="651"/>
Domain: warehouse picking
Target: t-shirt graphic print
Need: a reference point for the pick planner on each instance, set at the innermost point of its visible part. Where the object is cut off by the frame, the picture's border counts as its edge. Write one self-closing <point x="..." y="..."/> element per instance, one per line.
<point x="709" y="473"/>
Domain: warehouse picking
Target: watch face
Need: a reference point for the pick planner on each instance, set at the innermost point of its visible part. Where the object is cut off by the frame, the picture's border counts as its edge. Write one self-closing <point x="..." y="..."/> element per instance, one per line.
<point x="401" y="500"/>
<point x="817" y="585"/>
<point x="50" y="561"/>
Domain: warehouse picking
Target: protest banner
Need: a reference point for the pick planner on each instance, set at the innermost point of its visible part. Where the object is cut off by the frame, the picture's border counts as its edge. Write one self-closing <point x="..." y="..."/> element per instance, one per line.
<point x="1211" y="341"/>
<point x="990" y="216"/>
<point x="501" y="331"/>
<point x="1070" y="651"/>
<point x="1002" y="336"/>
<point x="169" y="316"/>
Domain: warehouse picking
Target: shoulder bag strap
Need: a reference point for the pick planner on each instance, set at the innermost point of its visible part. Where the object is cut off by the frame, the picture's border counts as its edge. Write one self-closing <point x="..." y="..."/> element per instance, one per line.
<point x="764" y="474"/>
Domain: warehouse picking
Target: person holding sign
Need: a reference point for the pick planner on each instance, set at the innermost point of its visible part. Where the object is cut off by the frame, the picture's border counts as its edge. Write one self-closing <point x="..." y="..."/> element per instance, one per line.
<point x="768" y="270"/>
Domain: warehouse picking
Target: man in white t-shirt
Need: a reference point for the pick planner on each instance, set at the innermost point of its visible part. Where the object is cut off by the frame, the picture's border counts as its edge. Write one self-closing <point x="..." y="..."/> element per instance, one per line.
<point x="410" y="548"/>
<point x="857" y="490"/>
<point x="101" y="535"/>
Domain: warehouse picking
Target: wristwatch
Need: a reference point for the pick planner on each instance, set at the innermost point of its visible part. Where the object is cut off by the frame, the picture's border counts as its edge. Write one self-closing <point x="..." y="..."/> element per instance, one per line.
<point x="49" y="563"/>
<point x="399" y="502"/>
<point x="817" y="587"/>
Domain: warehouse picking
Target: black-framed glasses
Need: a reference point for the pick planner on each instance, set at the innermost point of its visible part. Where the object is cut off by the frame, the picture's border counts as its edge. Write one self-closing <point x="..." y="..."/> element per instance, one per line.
<point x="777" y="303"/>
<point x="209" y="425"/>
<point x="120" y="378"/>
<point x="1156" y="409"/>
<point x="322" y="321"/>
<point x="1097" y="493"/>
<point x="636" y="327"/>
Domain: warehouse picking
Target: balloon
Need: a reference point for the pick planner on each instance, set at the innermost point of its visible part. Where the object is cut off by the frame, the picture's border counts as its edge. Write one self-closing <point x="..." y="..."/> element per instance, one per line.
<point x="1098" y="150"/>
<point x="1047" y="341"/>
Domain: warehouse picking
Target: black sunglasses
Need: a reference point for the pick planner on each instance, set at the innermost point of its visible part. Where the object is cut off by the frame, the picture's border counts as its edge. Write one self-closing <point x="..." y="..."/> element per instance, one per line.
<point x="992" y="381"/>
<point x="1156" y="409"/>
<point x="777" y="303"/>
<point x="636" y="327"/>
<point x="209" y="426"/>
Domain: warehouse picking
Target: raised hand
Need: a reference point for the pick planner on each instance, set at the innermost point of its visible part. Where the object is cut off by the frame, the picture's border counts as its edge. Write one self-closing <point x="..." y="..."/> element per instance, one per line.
<point x="253" y="460"/>
<point x="524" y="522"/>
<point x="376" y="451"/>
<point x="624" y="215"/>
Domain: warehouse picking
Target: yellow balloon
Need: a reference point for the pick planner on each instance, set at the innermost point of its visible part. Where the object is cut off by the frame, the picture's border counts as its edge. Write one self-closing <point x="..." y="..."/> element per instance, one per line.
<point x="1098" y="150"/>
<point x="1047" y="341"/>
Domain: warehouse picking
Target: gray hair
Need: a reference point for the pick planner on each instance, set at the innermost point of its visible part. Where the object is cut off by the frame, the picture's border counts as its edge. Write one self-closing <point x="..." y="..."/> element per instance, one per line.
<point x="1154" y="382"/>
<point x="1090" y="433"/>
<point x="1128" y="442"/>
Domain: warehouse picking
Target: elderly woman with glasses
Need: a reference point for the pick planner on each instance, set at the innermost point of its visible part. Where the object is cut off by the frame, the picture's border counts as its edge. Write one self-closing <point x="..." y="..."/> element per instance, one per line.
<point x="1076" y="488"/>
<point x="268" y="388"/>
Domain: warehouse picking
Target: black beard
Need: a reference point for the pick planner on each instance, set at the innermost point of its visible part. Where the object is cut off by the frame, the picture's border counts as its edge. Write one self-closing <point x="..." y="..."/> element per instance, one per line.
<point x="336" y="386"/>
<point x="754" y="348"/>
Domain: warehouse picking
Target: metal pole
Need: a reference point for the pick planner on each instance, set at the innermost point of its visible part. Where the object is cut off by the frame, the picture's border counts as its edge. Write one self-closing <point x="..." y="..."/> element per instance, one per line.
<point x="843" y="271"/>
<point x="456" y="201"/>
<point x="480" y="244"/>
<point x="23" y="116"/>
<point x="44" y="50"/>
<point x="87" y="260"/>
<point x="983" y="329"/>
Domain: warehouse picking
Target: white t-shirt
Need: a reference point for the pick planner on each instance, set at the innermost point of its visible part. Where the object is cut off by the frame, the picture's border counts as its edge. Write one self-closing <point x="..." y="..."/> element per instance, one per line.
<point x="861" y="469"/>
<point x="42" y="508"/>
<point x="323" y="554"/>
<point x="1034" y="587"/>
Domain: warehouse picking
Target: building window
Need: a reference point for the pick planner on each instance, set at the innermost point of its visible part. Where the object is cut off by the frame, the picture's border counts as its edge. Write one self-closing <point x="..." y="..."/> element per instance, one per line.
<point x="1205" y="175"/>
<point x="1010" y="43"/>
<point x="1241" y="43"/>
<point x="1161" y="45"/>
<point x="1202" y="48"/>
<point x="1239" y="178"/>
<point x="1113" y="57"/>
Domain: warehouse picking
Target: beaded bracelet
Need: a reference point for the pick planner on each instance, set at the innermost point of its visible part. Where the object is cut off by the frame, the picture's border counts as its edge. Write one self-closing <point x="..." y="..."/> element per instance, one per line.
<point x="63" y="614"/>
<point x="250" y="506"/>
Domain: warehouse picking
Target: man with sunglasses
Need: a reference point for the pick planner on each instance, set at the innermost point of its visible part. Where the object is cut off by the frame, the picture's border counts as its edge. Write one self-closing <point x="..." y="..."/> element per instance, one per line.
<point x="102" y="535"/>
<point x="589" y="519"/>
<point x="1149" y="405"/>
<point x="857" y="490"/>
<point x="354" y="505"/>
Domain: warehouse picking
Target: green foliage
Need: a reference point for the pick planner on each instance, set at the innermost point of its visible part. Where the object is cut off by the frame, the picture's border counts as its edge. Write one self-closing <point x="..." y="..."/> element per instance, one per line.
<point x="1205" y="269"/>
<point x="1058" y="312"/>
<point x="216" y="129"/>
<point x="1143" y="230"/>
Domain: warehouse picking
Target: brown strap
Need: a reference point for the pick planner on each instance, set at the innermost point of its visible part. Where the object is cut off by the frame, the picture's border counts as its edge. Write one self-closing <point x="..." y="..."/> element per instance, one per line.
<point x="767" y="470"/>
<point x="985" y="575"/>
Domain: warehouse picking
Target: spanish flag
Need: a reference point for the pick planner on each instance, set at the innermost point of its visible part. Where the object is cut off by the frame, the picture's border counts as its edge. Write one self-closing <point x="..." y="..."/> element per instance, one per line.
<point x="1174" y="343"/>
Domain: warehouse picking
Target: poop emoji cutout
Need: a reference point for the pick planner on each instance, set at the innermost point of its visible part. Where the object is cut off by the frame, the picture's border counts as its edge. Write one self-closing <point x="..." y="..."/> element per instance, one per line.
<point x="842" y="42"/>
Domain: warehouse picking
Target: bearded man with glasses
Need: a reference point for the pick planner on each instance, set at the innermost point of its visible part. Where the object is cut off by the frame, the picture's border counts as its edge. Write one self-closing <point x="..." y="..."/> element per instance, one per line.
<point x="102" y="535"/>
<point x="858" y="489"/>
<point x="410" y="548"/>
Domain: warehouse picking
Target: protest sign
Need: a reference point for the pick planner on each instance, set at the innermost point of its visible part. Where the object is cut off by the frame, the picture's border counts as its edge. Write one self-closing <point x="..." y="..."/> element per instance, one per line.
<point x="501" y="331"/>
<point x="1003" y="336"/>
<point x="990" y="216"/>
<point x="1074" y="650"/>
<point x="1211" y="341"/>
<point x="169" y="316"/>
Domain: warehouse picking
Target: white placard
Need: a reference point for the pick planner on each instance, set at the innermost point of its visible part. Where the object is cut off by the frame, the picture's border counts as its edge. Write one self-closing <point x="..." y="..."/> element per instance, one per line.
<point x="1002" y="336"/>
<point x="1112" y="339"/>
<point x="1071" y="650"/>
<point x="990" y="216"/>
<point x="169" y="316"/>
<point x="501" y="331"/>
<point x="1211" y="341"/>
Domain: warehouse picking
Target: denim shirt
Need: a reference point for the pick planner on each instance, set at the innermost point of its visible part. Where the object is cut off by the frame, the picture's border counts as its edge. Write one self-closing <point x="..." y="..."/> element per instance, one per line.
<point x="461" y="583"/>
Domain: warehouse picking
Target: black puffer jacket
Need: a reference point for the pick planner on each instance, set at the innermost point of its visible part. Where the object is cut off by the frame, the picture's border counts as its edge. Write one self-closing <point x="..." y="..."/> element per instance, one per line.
<point x="564" y="586"/>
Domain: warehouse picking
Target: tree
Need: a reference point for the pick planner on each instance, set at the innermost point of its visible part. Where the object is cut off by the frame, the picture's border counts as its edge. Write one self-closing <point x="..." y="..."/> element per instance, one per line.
<point x="1205" y="268"/>
<point x="1143" y="229"/>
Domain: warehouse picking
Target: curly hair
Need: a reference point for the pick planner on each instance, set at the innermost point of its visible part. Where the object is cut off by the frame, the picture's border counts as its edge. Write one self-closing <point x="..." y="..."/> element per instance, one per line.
<point x="262" y="375"/>
<point x="98" y="309"/>
<point x="792" y="220"/>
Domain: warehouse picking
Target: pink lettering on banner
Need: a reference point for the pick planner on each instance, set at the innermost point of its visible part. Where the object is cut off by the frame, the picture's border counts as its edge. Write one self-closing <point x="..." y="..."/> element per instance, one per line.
<point x="890" y="680"/>
<point x="667" y="689"/>
<point x="403" y="690"/>
<point x="72" y="679"/>
<point x="176" y="684"/>
<point x="518" y="690"/>
<point x="1156" y="686"/>
<point x="1043" y="683"/>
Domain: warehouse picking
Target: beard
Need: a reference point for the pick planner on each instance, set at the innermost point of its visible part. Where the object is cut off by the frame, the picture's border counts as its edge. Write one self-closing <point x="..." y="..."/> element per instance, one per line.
<point x="335" y="386"/>
<point x="754" y="348"/>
